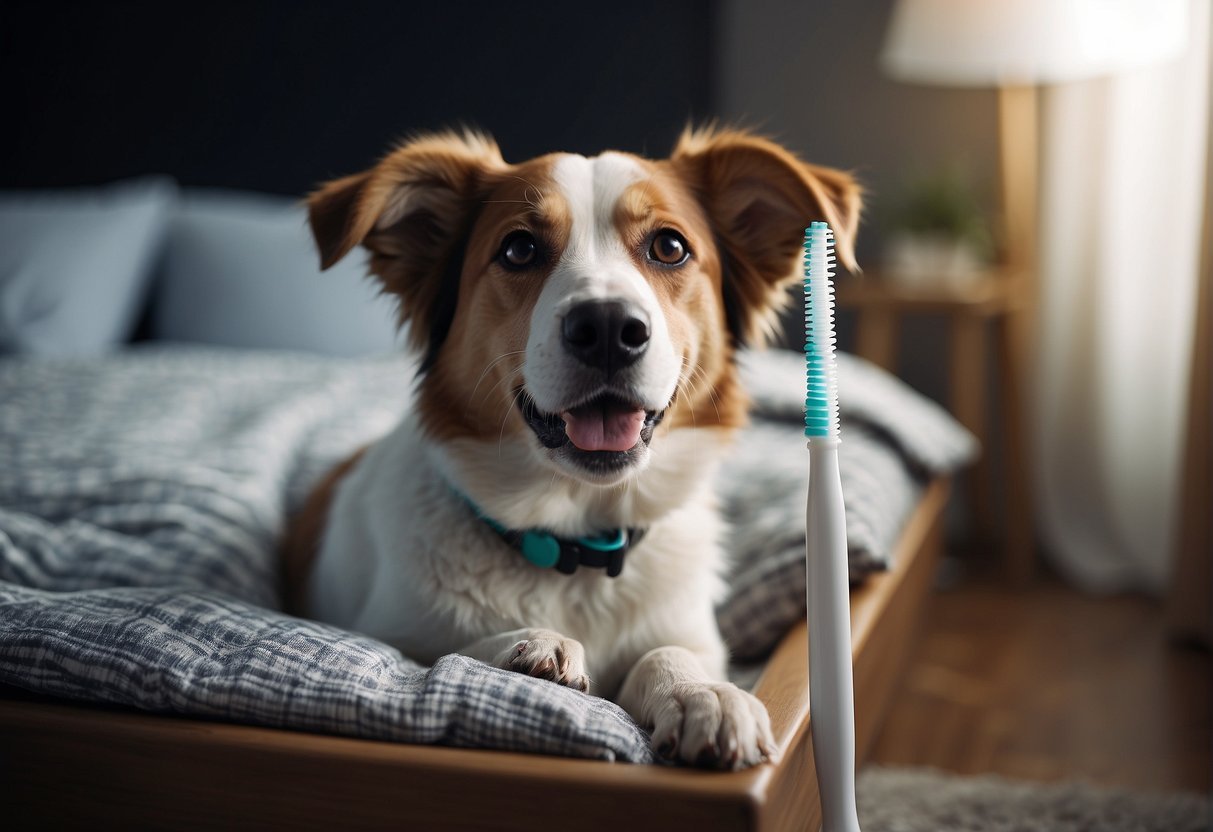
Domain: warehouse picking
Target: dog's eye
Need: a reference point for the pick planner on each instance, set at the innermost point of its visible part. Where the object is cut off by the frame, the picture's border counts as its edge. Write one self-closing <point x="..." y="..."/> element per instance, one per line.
<point x="518" y="250"/>
<point x="669" y="249"/>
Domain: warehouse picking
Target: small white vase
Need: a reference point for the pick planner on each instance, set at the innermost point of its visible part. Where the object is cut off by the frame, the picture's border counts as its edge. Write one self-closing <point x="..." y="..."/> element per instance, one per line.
<point x="924" y="260"/>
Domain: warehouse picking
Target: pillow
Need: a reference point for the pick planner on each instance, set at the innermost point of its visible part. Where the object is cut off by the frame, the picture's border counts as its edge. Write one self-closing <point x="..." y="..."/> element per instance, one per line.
<point x="241" y="270"/>
<point x="74" y="264"/>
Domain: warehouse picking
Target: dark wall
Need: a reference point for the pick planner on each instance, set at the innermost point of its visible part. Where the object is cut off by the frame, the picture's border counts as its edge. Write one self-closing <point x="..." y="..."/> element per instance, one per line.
<point x="278" y="95"/>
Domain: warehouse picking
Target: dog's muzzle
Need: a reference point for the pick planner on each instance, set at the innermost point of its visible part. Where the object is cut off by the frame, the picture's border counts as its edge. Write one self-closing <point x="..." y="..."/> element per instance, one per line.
<point x="602" y="421"/>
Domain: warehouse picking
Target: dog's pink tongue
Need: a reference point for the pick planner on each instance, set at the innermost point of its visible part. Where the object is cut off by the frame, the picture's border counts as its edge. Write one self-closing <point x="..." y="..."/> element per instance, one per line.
<point x="603" y="426"/>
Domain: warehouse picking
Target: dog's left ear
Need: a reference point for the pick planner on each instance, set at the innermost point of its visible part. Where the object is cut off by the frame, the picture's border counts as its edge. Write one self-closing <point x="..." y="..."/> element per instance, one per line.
<point x="759" y="198"/>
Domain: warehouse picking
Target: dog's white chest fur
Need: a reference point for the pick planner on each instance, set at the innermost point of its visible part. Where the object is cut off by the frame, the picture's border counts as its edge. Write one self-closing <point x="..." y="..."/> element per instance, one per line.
<point x="405" y="559"/>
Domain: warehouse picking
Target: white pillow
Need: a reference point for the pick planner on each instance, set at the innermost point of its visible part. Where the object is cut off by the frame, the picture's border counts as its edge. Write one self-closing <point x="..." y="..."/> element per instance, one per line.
<point x="75" y="264"/>
<point x="241" y="270"/>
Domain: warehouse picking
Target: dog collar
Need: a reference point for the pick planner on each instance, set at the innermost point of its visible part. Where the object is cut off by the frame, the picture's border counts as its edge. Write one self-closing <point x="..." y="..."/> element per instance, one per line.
<point x="604" y="550"/>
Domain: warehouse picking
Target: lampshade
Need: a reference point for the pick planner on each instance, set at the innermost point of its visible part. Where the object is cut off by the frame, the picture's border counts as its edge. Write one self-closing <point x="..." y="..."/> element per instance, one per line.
<point x="1013" y="42"/>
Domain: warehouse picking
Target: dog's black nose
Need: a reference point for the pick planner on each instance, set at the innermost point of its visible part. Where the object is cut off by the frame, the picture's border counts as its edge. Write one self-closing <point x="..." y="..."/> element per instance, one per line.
<point x="606" y="334"/>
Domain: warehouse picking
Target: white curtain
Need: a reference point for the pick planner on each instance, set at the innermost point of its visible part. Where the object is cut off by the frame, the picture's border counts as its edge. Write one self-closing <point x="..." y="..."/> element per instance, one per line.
<point x="1122" y="181"/>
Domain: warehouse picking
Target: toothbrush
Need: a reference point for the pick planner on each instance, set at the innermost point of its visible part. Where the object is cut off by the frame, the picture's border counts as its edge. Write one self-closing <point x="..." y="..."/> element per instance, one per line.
<point x="831" y="687"/>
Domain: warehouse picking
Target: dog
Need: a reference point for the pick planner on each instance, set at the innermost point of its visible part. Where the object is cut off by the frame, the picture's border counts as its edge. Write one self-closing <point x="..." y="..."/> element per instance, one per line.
<point x="547" y="505"/>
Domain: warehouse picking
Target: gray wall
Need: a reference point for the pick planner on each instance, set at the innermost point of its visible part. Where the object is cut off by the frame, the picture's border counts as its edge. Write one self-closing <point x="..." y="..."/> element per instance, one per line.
<point x="807" y="73"/>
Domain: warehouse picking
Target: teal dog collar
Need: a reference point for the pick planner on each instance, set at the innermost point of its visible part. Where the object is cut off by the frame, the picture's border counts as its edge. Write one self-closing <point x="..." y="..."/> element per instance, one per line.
<point x="604" y="550"/>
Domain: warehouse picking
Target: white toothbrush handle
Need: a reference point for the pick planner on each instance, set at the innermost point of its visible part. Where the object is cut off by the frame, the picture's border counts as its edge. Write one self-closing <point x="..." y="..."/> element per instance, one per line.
<point x="831" y="688"/>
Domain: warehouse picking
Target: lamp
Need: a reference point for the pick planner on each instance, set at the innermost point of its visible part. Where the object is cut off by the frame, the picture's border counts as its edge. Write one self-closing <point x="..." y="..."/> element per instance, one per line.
<point x="1014" y="46"/>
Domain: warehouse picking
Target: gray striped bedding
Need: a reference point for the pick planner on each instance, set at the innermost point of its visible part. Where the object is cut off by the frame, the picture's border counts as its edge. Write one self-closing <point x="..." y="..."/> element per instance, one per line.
<point x="141" y="495"/>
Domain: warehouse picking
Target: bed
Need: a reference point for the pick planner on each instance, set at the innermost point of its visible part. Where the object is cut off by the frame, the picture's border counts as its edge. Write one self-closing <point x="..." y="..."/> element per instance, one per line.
<point x="148" y="672"/>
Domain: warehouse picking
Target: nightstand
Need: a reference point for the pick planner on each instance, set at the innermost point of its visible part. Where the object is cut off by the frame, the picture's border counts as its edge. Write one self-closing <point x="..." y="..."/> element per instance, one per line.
<point x="989" y="303"/>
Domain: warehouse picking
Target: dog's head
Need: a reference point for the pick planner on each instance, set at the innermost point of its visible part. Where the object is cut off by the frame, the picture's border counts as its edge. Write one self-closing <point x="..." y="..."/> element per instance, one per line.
<point x="583" y="306"/>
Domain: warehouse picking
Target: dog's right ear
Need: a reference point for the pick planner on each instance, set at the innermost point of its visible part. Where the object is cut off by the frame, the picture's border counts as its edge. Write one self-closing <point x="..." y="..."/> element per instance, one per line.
<point x="334" y="217"/>
<point x="413" y="211"/>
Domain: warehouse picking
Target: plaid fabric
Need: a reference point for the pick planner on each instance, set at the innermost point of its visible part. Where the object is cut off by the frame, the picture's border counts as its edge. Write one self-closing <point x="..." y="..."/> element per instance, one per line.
<point x="141" y="496"/>
<point x="208" y="654"/>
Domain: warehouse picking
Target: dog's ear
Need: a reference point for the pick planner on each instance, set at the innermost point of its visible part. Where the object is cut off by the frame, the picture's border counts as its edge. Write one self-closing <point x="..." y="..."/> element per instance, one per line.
<point x="413" y="211"/>
<point x="759" y="199"/>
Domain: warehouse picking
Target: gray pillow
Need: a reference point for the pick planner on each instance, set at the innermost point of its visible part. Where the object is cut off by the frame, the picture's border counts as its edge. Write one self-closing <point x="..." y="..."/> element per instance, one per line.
<point x="241" y="270"/>
<point x="74" y="264"/>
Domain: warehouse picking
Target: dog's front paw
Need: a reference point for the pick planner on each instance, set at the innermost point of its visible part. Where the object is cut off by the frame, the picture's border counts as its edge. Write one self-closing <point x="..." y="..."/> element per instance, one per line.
<point x="714" y="725"/>
<point x="546" y="654"/>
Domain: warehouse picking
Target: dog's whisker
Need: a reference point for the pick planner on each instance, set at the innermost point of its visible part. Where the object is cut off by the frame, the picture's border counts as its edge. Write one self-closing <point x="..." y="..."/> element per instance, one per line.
<point x="697" y="371"/>
<point x="505" y="418"/>
<point x="711" y="392"/>
<point x="714" y="399"/>
<point x="691" y="407"/>
<point x="679" y="392"/>
<point x="526" y="193"/>
<point x="503" y="382"/>
<point x="689" y="381"/>
<point x="490" y="366"/>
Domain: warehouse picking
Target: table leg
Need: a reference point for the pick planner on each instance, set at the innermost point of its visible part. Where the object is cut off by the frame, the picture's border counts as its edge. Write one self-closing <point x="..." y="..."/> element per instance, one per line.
<point x="968" y="380"/>
<point x="1020" y="536"/>
<point x="876" y="337"/>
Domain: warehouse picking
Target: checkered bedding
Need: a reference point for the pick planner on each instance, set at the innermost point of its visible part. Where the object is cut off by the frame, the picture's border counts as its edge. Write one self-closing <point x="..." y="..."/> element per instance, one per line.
<point x="141" y="495"/>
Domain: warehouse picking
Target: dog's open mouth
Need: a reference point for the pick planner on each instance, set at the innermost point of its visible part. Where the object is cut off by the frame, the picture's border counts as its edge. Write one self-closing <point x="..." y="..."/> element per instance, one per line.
<point x="606" y="424"/>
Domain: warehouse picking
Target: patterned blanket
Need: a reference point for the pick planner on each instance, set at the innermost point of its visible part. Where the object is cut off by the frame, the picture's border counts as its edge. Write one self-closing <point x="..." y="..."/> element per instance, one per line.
<point x="141" y="496"/>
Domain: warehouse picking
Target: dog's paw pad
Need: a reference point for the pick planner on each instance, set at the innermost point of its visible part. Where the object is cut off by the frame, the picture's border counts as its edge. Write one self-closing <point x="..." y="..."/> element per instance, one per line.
<point x="713" y="726"/>
<point x="549" y="656"/>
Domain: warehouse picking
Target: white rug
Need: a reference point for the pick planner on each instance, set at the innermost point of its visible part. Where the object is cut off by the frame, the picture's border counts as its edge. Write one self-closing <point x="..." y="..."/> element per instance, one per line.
<point x="922" y="800"/>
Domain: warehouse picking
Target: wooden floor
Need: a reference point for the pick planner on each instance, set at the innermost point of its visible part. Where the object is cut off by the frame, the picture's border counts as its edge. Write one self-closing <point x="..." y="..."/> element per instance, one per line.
<point x="1049" y="684"/>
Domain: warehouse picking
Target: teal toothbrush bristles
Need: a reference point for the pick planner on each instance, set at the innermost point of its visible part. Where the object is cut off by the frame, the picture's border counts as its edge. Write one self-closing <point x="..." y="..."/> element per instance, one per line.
<point x="821" y="397"/>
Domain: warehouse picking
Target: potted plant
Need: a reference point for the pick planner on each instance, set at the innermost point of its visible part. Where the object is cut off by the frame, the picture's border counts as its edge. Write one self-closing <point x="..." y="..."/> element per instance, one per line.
<point x="938" y="234"/>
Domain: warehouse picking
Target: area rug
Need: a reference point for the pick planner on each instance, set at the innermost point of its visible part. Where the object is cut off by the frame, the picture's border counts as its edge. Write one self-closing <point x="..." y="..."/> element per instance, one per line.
<point x="922" y="800"/>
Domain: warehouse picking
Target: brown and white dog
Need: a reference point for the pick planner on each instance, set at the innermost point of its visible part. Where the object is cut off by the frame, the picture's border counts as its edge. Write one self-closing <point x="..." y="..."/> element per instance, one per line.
<point x="577" y="320"/>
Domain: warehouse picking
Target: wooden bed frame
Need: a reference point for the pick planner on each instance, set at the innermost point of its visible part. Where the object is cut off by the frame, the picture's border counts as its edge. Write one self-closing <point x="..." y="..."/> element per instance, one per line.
<point x="85" y="765"/>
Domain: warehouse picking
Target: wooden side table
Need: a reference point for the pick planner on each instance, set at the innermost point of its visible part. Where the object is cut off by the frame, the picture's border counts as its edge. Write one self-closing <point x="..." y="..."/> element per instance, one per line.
<point x="994" y="300"/>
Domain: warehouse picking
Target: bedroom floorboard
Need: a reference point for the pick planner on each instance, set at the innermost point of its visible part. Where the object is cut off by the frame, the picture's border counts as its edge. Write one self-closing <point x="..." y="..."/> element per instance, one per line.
<point x="1050" y="684"/>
